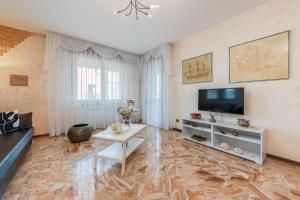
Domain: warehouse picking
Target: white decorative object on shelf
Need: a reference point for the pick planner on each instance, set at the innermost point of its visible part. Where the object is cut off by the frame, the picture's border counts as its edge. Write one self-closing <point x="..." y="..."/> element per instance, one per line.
<point x="238" y="150"/>
<point x="250" y="143"/>
<point x="118" y="128"/>
<point x="225" y="146"/>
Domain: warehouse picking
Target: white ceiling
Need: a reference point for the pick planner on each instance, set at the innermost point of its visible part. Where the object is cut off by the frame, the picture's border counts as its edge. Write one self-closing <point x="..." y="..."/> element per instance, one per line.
<point x="93" y="20"/>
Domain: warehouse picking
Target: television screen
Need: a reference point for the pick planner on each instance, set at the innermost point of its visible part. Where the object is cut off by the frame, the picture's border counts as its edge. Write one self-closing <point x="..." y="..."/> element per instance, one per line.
<point x="227" y="100"/>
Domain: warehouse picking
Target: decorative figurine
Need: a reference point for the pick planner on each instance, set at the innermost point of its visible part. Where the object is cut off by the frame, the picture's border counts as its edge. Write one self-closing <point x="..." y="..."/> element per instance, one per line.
<point x="212" y="118"/>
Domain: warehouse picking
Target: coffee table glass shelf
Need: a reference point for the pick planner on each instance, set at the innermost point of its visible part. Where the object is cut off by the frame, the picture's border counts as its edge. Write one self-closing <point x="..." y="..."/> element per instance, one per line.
<point x="123" y="144"/>
<point x="251" y="140"/>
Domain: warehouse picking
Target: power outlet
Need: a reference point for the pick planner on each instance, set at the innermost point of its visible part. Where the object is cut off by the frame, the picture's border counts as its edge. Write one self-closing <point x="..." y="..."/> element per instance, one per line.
<point x="177" y="120"/>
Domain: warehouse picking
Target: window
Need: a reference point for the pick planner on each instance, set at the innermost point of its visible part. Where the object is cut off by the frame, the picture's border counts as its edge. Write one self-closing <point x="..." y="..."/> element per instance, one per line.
<point x="96" y="79"/>
<point x="113" y="85"/>
<point x="88" y="83"/>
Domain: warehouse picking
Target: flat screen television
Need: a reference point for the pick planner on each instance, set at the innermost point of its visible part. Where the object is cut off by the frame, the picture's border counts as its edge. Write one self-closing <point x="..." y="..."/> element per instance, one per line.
<point x="226" y="100"/>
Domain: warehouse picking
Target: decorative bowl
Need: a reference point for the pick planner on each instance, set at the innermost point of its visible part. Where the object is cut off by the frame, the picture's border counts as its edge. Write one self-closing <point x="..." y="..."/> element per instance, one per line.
<point x="196" y="115"/>
<point x="243" y="122"/>
<point x="234" y="133"/>
<point x="238" y="150"/>
<point x="117" y="128"/>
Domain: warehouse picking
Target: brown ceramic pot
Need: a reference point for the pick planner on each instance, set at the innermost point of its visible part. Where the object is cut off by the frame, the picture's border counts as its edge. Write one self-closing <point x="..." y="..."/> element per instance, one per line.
<point x="80" y="133"/>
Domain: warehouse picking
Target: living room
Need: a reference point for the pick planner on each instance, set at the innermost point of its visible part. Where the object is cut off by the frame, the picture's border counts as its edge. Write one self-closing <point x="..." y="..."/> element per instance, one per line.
<point x="149" y="99"/>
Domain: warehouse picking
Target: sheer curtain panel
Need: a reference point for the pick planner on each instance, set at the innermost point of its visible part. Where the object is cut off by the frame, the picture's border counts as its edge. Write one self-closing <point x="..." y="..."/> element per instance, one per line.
<point x="87" y="83"/>
<point x="157" y="102"/>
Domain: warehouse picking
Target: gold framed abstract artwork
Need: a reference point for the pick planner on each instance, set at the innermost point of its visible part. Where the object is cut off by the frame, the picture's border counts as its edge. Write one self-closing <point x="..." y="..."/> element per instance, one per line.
<point x="197" y="69"/>
<point x="260" y="60"/>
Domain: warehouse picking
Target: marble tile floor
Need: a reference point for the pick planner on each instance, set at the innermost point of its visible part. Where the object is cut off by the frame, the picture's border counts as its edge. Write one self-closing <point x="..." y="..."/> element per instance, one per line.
<point x="164" y="167"/>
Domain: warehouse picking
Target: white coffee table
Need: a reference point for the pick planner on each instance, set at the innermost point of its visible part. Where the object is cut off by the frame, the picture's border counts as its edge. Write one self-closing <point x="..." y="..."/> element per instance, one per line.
<point x="124" y="144"/>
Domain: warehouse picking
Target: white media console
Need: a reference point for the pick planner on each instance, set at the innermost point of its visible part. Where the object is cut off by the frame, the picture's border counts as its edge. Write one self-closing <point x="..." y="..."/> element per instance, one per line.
<point x="252" y="141"/>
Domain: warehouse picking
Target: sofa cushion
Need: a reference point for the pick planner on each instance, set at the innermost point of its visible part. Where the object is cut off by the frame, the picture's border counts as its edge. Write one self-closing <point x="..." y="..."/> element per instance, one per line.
<point x="9" y="121"/>
<point x="13" y="148"/>
<point x="25" y="120"/>
<point x="12" y="141"/>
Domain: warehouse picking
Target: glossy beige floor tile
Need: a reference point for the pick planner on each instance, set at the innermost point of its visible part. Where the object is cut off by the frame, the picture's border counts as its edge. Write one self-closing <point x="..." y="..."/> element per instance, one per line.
<point x="165" y="167"/>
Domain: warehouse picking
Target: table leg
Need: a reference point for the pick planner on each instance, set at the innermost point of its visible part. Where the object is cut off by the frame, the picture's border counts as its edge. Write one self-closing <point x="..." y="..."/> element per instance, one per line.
<point x="124" y="147"/>
<point x="145" y="138"/>
<point x="95" y="154"/>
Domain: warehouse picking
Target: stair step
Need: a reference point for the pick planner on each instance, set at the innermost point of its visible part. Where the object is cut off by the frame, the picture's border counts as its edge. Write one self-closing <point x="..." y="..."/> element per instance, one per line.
<point x="11" y="37"/>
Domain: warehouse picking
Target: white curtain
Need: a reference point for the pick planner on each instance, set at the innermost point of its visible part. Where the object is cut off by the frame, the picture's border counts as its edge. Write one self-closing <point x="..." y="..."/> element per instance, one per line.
<point x="56" y="41"/>
<point x="157" y="87"/>
<point x="87" y="85"/>
<point x="152" y="110"/>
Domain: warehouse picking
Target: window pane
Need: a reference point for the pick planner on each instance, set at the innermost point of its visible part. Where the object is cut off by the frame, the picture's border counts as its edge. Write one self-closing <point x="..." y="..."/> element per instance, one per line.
<point x="88" y="83"/>
<point x="113" y="85"/>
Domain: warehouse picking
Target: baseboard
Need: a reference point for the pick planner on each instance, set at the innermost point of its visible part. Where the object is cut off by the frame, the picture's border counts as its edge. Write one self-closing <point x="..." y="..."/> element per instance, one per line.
<point x="283" y="159"/>
<point x="177" y="129"/>
<point x="38" y="136"/>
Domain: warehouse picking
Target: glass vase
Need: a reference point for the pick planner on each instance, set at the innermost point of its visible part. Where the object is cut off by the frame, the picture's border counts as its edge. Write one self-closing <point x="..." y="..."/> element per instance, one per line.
<point x="127" y="122"/>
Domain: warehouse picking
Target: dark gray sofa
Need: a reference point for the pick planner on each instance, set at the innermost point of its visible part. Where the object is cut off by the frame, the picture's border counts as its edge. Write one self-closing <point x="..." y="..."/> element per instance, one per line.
<point x="13" y="148"/>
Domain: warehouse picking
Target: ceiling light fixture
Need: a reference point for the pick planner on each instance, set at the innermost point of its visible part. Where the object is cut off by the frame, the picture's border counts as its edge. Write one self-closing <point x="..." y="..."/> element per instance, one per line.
<point x="138" y="7"/>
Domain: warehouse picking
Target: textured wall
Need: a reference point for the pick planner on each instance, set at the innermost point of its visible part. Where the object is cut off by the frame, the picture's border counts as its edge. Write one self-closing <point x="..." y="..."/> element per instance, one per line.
<point x="274" y="105"/>
<point x="26" y="58"/>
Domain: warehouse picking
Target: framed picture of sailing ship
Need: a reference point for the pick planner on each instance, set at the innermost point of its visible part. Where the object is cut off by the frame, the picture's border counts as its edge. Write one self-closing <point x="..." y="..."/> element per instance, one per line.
<point x="197" y="70"/>
<point x="260" y="60"/>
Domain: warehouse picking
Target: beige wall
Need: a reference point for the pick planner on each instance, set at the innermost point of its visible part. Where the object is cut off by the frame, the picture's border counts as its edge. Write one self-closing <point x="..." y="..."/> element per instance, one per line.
<point x="274" y="105"/>
<point x="26" y="59"/>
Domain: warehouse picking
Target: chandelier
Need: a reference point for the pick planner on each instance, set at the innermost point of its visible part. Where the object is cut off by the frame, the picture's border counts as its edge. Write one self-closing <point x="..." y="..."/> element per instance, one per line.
<point x="136" y="7"/>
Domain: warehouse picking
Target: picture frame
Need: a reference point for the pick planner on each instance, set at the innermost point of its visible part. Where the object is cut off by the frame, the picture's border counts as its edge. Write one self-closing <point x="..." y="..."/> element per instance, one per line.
<point x="263" y="59"/>
<point x="197" y="69"/>
<point x="18" y="80"/>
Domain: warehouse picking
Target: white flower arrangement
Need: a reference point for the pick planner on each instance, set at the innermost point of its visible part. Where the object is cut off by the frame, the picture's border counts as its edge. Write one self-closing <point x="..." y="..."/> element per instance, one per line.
<point x="126" y="110"/>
